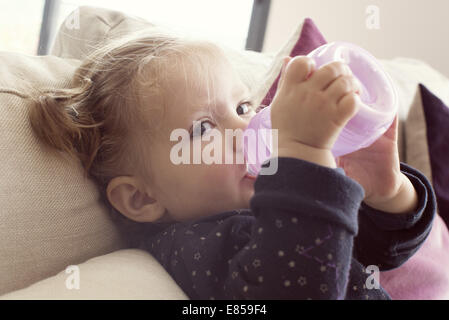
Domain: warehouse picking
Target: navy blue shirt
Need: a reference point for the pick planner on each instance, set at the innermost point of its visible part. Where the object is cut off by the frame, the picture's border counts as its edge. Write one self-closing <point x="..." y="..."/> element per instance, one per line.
<point x="307" y="235"/>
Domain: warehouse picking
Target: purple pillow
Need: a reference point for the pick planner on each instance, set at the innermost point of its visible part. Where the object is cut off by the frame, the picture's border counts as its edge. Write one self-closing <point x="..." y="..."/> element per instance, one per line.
<point x="309" y="39"/>
<point x="436" y="114"/>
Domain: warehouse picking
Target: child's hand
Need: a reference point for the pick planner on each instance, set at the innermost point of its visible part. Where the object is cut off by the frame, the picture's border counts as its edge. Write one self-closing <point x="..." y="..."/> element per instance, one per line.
<point x="311" y="106"/>
<point x="377" y="169"/>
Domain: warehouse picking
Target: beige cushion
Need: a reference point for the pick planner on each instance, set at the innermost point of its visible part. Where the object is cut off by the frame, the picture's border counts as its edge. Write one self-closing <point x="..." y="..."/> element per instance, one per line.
<point x="50" y="216"/>
<point x="406" y="74"/>
<point x="123" y="274"/>
<point x="416" y="138"/>
<point x="95" y="26"/>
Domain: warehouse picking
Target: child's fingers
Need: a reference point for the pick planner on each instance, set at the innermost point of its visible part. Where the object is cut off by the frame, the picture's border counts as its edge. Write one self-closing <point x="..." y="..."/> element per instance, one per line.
<point x="341" y="86"/>
<point x="285" y="61"/>
<point x="348" y="105"/>
<point x="392" y="131"/>
<point x="324" y="76"/>
<point x="298" y="70"/>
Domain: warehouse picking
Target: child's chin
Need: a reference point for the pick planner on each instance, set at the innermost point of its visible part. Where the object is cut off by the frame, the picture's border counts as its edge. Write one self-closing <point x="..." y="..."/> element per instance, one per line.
<point x="247" y="188"/>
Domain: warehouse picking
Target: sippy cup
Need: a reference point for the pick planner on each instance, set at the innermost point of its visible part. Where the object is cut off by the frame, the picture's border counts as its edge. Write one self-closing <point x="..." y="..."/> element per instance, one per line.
<point x="377" y="112"/>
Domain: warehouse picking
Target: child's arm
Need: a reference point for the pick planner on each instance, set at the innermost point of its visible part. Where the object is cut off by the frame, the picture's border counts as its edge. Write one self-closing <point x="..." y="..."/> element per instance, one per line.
<point x="388" y="240"/>
<point x="297" y="244"/>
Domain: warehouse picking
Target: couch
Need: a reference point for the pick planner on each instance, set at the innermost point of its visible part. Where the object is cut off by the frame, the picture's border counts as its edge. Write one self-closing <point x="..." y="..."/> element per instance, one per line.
<point x="54" y="228"/>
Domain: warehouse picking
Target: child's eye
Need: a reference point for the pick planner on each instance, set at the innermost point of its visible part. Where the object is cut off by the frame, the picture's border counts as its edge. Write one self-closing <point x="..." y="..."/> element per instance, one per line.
<point x="200" y="128"/>
<point x="244" y="107"/>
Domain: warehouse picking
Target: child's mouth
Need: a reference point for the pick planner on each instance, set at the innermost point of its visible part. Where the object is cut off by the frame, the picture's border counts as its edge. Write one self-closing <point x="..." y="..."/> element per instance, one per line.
<point x="250" y="176"/>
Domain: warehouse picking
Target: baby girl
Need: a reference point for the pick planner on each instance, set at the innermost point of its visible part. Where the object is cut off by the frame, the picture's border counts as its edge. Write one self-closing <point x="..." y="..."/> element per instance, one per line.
<point x="309" y="231"/>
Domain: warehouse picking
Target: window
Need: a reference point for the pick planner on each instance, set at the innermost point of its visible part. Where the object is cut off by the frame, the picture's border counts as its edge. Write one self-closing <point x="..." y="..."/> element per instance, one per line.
<point x="23" y="28"/>
<point x="228" y="21"/>
<point x="20" y="25"/>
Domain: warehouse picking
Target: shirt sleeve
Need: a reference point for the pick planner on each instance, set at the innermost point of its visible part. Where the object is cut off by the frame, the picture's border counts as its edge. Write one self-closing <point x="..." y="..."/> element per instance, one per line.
<point x="388" y="240"/>
<point x="295" y="242"/>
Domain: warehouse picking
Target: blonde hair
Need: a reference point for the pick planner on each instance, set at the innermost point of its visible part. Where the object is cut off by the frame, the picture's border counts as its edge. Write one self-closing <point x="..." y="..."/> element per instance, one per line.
<point x="117" y="97"/>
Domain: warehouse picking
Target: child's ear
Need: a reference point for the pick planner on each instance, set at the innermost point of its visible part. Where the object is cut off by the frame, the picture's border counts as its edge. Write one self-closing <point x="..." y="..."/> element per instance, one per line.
<point x="127" y="196"/>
